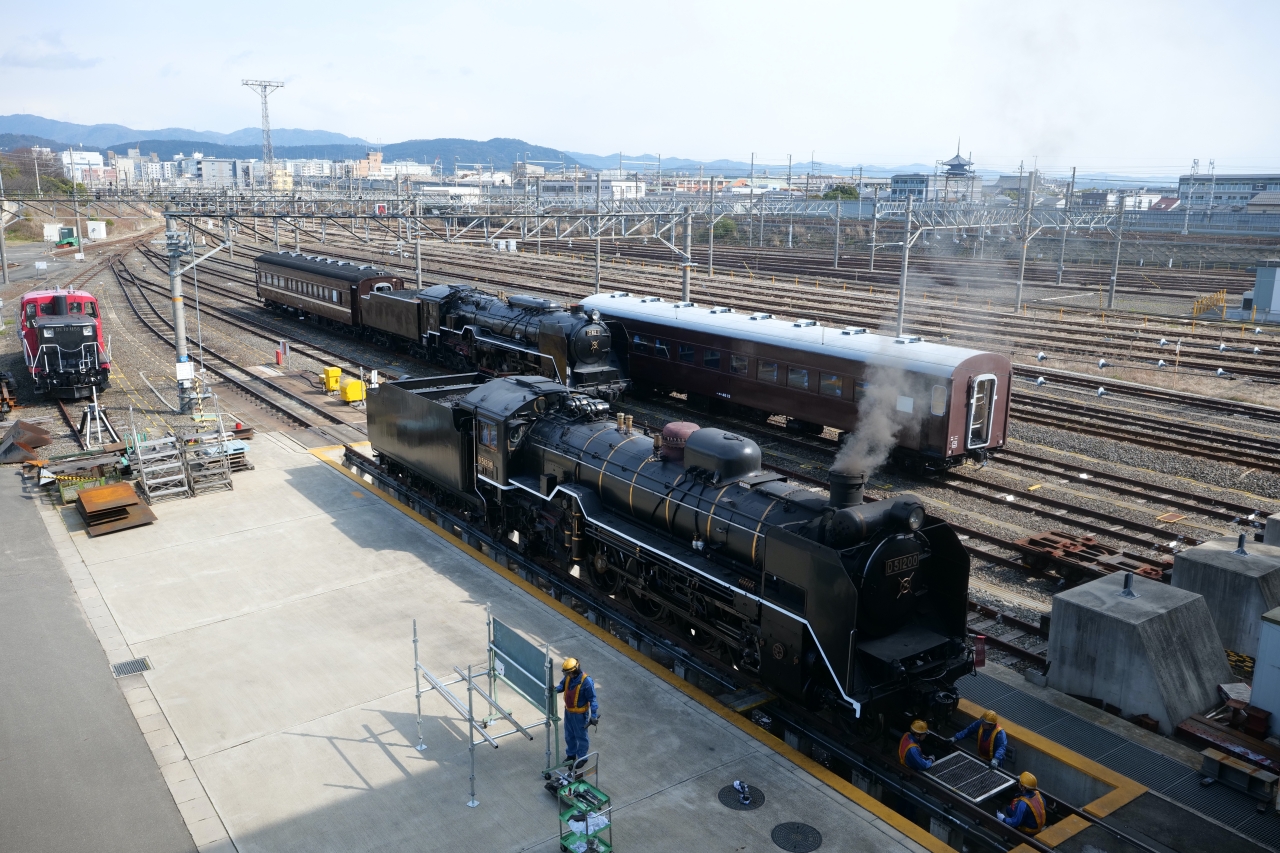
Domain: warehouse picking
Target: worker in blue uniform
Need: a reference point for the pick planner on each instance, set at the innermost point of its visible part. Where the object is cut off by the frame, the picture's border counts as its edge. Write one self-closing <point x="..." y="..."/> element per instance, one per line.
<point x="579" y="702"/>
<point x="1027" y="812"/>
<point x="992" y="742"/>
<point x="909" y="751"/>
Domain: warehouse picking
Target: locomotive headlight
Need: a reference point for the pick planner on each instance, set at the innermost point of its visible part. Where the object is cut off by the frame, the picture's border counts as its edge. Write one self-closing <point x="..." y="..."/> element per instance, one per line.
<point x="916" y="519"/>
<point x="595" y="316"/>
<point x="48" y="333"/>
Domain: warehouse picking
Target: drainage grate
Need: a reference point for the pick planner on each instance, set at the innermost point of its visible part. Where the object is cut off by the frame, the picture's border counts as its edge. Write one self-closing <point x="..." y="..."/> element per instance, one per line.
<point x="968" y="777"/>
<point x="731" y="798"/>
<point x="796" y="837"/>
<point x="130" y="667"/>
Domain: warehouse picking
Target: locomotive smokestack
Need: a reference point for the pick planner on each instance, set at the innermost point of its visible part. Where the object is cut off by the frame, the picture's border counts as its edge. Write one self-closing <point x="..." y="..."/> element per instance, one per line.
<point x="846" y="489"/>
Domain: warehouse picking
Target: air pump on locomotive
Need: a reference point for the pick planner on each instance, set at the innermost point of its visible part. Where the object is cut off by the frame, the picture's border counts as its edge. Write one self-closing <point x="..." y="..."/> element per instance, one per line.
<point x="854" y="608"/>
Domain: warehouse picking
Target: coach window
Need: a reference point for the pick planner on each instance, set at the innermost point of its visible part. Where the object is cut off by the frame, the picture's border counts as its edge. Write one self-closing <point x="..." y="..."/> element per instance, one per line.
<point x="660" y="348"/>
<point x="489" y="435"/>
<point x="798" y="377"/>
<point x="831" y="385"/>
<point x="938" y="402"/>
<point x="738" y="364"/>
<point x="767" y="371"/>
<point x="711" y="359"/>
<point x="686" y="353"/>
<point x="642" y="344"/>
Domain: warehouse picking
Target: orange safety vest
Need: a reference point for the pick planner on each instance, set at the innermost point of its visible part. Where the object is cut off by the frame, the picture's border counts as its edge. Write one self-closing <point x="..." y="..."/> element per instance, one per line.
<point x="905" y="746"/>
<point x="571" y="701"/>
<point x="987" y="741"/>
<point x="1035" y="803"/>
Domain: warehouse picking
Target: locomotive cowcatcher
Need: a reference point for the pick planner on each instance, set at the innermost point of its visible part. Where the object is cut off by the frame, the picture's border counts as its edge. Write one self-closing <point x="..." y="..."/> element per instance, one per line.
<point x="62" y="342"/>
<point x="855" y="609"/>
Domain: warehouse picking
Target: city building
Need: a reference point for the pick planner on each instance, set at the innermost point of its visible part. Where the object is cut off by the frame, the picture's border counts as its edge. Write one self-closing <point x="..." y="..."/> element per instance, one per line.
<point x="584" y="189"/>
<point x="1108" y="199"/>
<point x="83" y="167"/>
<point x="1202" y="191"/>
<point x="1166" y="203"/>
<point x="918" y="185"/>
<point x="1267" y="201"/>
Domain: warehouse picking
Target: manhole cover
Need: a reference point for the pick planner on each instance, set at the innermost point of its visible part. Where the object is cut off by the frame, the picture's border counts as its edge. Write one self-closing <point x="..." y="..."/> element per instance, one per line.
<point x="796" y="837"/>
<point x="130" y="667"/>
<point x="731" y="798"/>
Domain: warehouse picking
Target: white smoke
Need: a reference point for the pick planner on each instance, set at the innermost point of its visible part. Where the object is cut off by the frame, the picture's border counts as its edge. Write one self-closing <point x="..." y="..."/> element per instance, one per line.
<point x="881" y="420"/>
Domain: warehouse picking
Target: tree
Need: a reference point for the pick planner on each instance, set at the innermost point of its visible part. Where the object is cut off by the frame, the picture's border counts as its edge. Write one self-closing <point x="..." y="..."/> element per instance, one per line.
<point x="725" y="228"/>
<point x="841" y="192"/>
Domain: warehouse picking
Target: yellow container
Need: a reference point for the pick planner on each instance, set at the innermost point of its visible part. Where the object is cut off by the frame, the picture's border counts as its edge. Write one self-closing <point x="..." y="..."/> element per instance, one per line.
<point x="352" y="391"/>
<point x="331" y="377"/>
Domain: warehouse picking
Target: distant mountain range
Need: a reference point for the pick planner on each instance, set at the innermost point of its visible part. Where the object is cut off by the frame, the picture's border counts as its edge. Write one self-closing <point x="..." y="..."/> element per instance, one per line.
<point x="117" y="135"/>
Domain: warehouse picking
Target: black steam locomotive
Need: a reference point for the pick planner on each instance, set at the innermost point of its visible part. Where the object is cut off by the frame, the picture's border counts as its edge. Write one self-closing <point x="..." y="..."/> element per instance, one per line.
<point x="859" y="608"/>
<point x="455" y="325"/>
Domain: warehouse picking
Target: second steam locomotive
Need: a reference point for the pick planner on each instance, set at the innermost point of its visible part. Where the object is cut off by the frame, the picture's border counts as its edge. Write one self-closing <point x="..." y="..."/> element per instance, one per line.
<point x="855" y="608"/>
<point x="455" y="325"/>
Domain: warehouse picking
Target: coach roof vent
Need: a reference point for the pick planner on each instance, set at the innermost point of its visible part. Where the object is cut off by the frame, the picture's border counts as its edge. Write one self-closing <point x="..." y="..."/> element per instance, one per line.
<point x="804" y="324"/>
<point x="907" y="339"/>
<point x="721" y="310"/>
<point x="683" y="305"/>
<point x="619" y="294"/>
<point x="760" y="315"/>
<point x="853" y="330"/>
<point x="651" y="299"/>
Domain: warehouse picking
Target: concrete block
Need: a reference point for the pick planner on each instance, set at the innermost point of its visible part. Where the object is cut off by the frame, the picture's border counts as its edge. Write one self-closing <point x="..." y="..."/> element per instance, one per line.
<point x="1271" y="533"/>
<point x="1155" y="654"/>
<point x="1237" y="588"/>
<point x="1266" y="669"/>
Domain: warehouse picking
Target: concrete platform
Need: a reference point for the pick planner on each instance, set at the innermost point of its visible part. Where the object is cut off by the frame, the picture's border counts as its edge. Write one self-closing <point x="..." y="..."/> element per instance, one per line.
<point x="76" y="771"/>
<point x="281" y="703"/>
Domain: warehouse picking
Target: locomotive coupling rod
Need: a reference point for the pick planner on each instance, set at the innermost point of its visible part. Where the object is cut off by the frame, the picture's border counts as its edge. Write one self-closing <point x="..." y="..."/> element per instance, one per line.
<point x="510" y="719"/>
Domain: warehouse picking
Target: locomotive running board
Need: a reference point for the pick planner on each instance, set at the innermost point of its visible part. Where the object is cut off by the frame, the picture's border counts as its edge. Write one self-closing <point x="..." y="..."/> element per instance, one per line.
<point x="745" y="699"/>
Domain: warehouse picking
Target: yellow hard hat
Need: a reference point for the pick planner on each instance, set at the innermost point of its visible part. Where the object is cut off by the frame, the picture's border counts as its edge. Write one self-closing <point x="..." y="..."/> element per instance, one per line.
<point x="920" y="727"/>
<point x="990" y="717"/>
<point x="570" y="664"/>
<point x="1027" y="780"/>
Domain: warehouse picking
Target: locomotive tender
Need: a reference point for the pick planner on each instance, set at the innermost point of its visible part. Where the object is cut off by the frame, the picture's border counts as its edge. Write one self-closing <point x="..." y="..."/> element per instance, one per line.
<point x="856" y="608"/>
<point x="455" y="325"/>
<point x="951" y="402"/>
<point x="62" y="342"/>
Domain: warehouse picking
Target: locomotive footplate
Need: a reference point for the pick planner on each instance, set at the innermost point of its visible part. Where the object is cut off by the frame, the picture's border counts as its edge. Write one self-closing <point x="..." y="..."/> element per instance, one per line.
<point x="904" y="644"/>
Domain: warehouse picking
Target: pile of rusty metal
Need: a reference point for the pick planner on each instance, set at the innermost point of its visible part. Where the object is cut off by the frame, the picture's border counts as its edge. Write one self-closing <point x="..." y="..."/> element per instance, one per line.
<point x="21" y="441"/>
<point x="115" y="506"/>
<point x="1074" y="558"/>
<point x="8" y="399"/>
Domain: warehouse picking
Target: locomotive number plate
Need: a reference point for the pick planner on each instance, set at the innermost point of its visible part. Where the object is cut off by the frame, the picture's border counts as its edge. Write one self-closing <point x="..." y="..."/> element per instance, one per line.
<point x="905" y="563"/>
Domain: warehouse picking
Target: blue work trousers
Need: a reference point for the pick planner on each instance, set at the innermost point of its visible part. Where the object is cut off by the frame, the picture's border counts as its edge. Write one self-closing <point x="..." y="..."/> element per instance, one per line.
<point x="575" y="735"/>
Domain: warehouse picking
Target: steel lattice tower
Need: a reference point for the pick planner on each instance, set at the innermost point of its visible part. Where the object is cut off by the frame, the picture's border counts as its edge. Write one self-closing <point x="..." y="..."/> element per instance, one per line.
<point x="264" y="88"/>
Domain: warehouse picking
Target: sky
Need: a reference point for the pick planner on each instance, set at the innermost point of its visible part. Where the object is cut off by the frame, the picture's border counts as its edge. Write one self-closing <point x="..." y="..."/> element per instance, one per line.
<point x="1125" y="85"/>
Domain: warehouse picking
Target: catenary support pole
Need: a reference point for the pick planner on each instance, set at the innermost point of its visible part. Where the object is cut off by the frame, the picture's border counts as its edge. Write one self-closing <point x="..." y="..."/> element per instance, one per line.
<point x="471" y="736"/>
<point x="4" y="259"/>
<point x="902" y="277"/>
<point x="688" y="253"/>
<point x="1115" y="264"/>
<point x="711" y="232"/>
<point x="875" y="220"/>
<point x="835" y="263"/>
<point x="1026" y="239"/>
<point x="173" y="242"/>
<point x="1066" y="214"/>
<point x="599" y="228"/>
<point x="231" y="247"/>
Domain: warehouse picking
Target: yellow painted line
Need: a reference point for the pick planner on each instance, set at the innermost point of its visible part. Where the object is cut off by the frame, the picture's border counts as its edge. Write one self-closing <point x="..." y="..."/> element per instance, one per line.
<point x="813" y="768"/>
<point x="1125" y="790"/>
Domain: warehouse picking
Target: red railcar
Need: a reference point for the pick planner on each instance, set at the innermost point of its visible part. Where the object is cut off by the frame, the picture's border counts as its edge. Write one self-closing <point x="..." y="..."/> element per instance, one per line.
<point x="62" y="342"/>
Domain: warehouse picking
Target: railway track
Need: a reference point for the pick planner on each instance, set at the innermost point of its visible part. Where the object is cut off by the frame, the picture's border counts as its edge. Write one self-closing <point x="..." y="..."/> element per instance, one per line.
<point x="300" y="411"/>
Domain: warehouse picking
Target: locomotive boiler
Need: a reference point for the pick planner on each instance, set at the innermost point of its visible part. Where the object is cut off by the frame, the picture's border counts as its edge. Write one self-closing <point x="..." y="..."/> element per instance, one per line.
<point x="857" y="608"/>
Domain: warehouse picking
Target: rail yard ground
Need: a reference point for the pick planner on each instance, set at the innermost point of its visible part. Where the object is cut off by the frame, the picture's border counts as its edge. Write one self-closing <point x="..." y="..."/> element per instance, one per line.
<point x="1167" y="457"/>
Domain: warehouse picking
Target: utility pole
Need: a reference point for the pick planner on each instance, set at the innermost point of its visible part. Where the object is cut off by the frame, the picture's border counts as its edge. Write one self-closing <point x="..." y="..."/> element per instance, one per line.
<point x="1026" y="238"/>
<point x="688" y="252"/>
<point x="791" y="216"/>
<point x="4" y="260"/>
<point x="1191" y="188"/>
<point x="1066" y="215"/>
<point x="417" y="250"/>
<point x="231" y="248"/>
<point x="599" y="228"/>
<point x="1115" y="264"/>
<point x="711" y="232"/>
<point x="902" y="277"/>
<point x="751" y="200"/>
<point x="875" y="218"/>
<point x="174" y="243"/>
<point x="265" y="88"/>
<point x="836" y="263"/>
<point x="35" y="161"/>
